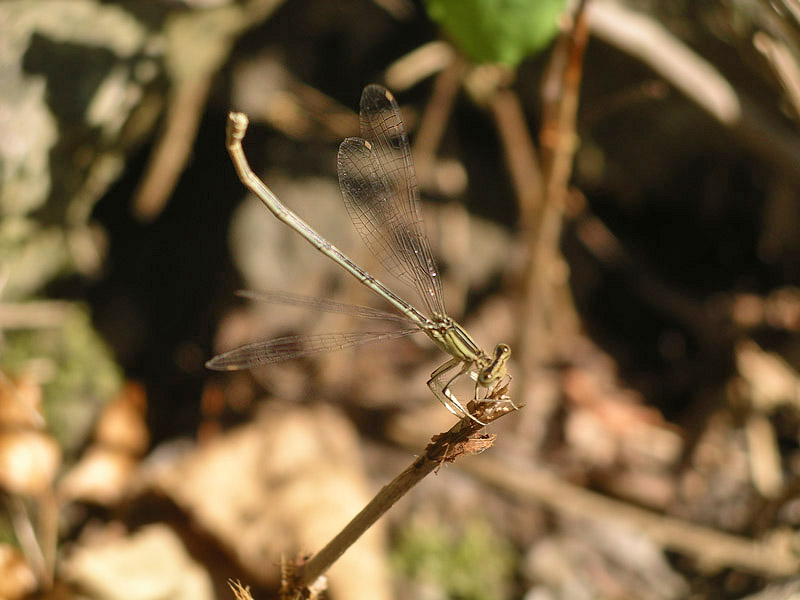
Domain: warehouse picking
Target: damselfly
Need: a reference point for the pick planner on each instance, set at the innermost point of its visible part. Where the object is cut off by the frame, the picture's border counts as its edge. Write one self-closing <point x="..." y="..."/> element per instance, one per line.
<point x="378" y="184"/>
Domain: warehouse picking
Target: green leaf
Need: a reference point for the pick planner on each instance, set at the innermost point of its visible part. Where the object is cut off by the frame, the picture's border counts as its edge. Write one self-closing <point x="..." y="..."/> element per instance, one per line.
<point x="504" y="31"/>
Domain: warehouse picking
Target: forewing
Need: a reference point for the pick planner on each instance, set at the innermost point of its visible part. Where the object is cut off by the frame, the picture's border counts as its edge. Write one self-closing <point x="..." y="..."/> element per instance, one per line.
<point x="379" y="188"/>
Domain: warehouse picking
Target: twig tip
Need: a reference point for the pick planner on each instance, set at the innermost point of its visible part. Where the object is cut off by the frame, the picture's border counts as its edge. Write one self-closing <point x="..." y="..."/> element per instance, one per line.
<point x="237" y="126"/>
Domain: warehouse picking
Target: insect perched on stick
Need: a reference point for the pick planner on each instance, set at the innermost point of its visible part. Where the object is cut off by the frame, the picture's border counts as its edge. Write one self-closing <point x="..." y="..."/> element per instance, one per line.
<point x="378" y="184"/>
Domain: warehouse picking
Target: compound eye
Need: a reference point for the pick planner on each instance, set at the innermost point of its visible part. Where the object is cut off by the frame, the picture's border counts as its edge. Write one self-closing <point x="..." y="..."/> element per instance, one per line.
<point x="486" y="377"/>
<point x="502" y="352"/>
<point x="497" y="368"/>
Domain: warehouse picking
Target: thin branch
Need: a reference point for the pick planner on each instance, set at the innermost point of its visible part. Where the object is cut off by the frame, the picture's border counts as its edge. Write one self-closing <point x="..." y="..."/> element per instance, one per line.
<point x="650" y="42"/>
<point x="48" y="513"/>
<point x="35" y="314"/>
<point x="784" y="64"/>
<point x="186" y="102"/>
<point x="434" y="121"/>
<point x="27" y="539"/>
<point x="772" y="556"/>
<point x="462" y="438"/>
<point x="520" y="155"/>
<point x="419" y="64"/>
<point x="545" y="282"/>
<point x="715" y="549"/>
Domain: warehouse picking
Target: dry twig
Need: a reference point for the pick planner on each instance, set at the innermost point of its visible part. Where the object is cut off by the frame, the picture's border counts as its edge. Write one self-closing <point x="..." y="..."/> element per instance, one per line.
<point x="713" y="549"/>
<point x="650" y="42"/>
<point x="185" y="108"/>
<point x="462" y="438"/>
<point x="544" y="286"/>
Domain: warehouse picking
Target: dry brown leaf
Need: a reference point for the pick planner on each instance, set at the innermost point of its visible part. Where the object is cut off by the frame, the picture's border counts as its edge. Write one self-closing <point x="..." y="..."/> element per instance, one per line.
<point x="773" y="382"/>
<point x="283" y="484"/>
<point x="16" y="577"/>
<point x="101" y="476"/>
<point x="20" y="402"/>
<point x="29" y="461"/>
<point x="609" y="425"/>
<point x="150" y="564"/>
<point x="122" y="424"/>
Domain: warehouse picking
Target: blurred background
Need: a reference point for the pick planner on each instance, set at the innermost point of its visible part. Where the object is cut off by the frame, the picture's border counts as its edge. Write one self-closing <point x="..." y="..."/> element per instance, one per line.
<point x="610" y="187"/>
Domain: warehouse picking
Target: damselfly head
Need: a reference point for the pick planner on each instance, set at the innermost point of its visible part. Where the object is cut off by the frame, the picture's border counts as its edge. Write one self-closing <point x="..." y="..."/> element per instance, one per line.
<point x="497" y="367"/>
